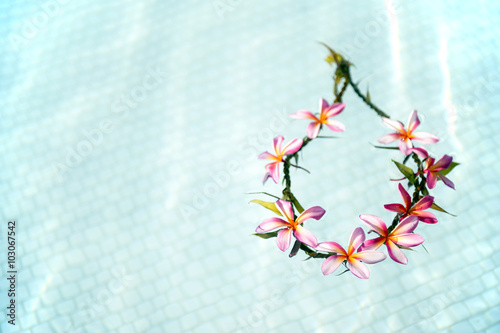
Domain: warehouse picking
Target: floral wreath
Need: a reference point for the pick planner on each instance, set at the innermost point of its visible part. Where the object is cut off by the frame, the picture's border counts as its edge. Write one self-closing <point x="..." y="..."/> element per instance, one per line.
<point x="400" y="234"/>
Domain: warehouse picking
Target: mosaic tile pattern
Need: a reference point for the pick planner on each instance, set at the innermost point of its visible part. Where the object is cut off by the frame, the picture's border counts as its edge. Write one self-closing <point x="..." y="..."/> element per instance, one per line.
<point x="130" y="132"/>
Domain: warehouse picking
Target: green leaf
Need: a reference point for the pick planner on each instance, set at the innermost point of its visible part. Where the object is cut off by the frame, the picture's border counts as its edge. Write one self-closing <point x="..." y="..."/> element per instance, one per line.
<point x="406" y="159"/>
<point x="330" y="60"/>
<point x="268" y="205"/>
<point x="265" y="194"/>
<point x="347" y="270"/>
<point x="297" y="204"/>
<point x="333" y="55"/>
<point x="439" y="209"/>
<point x="327" y="137"/>
<point x="267" y="234"/>
<point x="368" y="95"/>
<point x="295" y="249"/>
<point x="406" y="171"/>
<point x="425" y="191"/>
<point x="381" y="147"/>
<point x="338" y="79"/>
<point x="452" y="166"/>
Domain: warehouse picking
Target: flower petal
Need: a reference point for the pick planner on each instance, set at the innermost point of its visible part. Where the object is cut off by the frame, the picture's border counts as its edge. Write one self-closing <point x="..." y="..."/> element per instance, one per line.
<point x="406" y="197"/>
<point x="357" y="238"/>
<point x="424" y="137"/>
<point x="273" y="170"/>
<point x="331" y="264"/>
<point x="406" y="226"/>
<point x="267" y="156"/>
<point x="408" y="240"/>
<point x="313" y="130"/>
<point x="334" y="109"/>
<point x="395" y="253"/>
<point x="303" y="114"/>
<point x="399" y="208"/>
<point x="398" y="126"/>
<point x="389" y="138"/>
<point x="372" y="244"/>
<point x="428" y="220"/>
<point x="315" y="212"/>
<point x="335" y="125"/>
<point x="358" y="268"/>
<point x="413" y="121"/>
<point x="375" y="223"/>
<point x="277" y="141"/>
<point x="443" y="163"/>
<point x="429" y="163"/>
<point x="431" y="179"/>
<point x="446" y="180"/>
<point x="305" y="236"/>
<point x="283" y="239"/>
<point x="369" y="257"/>
<point x="292" y="147"/>
<point x="424" y="203"/>
<point x="405" y="146"/>
<point x="259" y="230"/>
<point x="285" y="208"/>
<point x="331" y="247"/>
<point x="426" y="217"/>
<point x="420" y="151"/>
<point x="266" y="177"/>
<point x="323" y="104"/>
<point x="271" y="224"/>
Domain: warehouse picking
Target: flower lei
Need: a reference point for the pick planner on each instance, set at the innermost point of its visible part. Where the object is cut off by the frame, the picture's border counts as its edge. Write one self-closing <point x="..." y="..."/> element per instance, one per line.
<point x="399" y="235"/>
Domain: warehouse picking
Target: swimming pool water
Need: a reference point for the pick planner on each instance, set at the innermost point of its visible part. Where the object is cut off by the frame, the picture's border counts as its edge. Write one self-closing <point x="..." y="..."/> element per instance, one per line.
<point x="130" y="133"/>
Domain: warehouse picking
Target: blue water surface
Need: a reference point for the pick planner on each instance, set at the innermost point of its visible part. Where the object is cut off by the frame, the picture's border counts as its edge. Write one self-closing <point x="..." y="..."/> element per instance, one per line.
<point x="130" y="132"/>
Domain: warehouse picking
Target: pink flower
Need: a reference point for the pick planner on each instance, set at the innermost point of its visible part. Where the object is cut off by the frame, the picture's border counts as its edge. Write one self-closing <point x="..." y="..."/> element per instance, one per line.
<point x="416" y="210"/>
<point x="354" y="260"/>
<point x="401" y="236"/>
<point x="405" y="136"/>
<point x="432" y="169"/>
<point x="326" y="111"/>
<point x="291" y="225"/>
<point x="273" y="167"/>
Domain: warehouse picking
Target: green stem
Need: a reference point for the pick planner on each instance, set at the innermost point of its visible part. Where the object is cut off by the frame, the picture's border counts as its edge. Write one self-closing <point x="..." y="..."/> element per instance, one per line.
<point x="338" y="98"/>
<point x="311" y="253"/>
<point x="363" y="97"/>
<point x="299" y="167"/>
<point x="286" y="166"/>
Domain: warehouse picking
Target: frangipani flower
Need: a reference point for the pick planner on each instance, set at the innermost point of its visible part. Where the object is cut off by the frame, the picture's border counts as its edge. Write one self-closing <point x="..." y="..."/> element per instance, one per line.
<point x="273" y="167"/>
<point x="291" y="225"/>
<point x="325" y="111"/>
<point x="405" y="136"/>
<point x="401" y="236"/>
<point x="416" y="210"/>
<point x="354" y="260"/>
<point x="432" y="169"/>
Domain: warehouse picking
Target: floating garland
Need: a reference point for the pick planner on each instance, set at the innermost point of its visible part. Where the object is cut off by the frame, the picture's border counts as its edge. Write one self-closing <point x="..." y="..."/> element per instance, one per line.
<point x="400" y="234"/>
